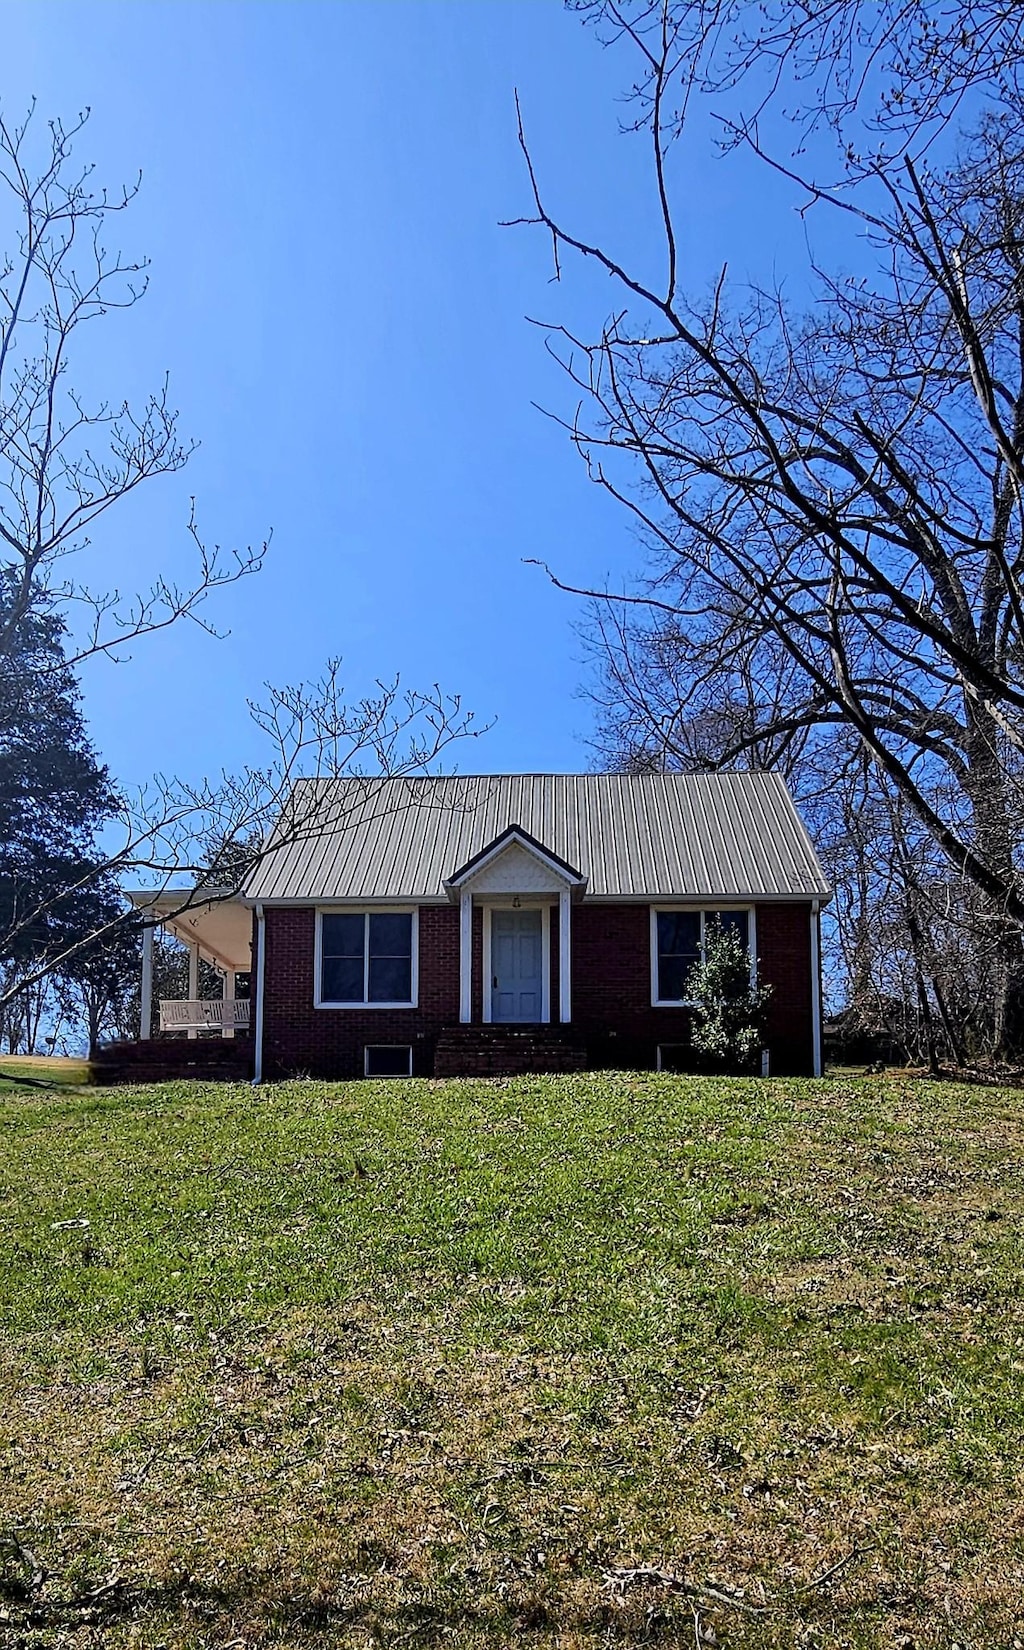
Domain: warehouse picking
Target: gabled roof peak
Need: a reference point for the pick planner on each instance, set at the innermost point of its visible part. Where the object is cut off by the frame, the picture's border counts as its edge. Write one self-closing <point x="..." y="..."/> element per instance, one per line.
<point x="515" y="836"/>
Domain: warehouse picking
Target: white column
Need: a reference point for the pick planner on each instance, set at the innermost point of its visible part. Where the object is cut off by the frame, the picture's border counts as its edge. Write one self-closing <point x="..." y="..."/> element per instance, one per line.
<point x="146" y="994"/>
<point x="465" y="957"/>
<point x="565" y="956"/>
<point x="193" y="977"/>
<point x="228" y="1021"/>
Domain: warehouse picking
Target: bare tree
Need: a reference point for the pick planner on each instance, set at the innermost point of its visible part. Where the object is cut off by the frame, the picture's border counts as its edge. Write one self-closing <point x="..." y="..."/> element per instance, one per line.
<point x="66" y="459"/>
<point x="203" y="838"/>
<point x="833" y="500"/>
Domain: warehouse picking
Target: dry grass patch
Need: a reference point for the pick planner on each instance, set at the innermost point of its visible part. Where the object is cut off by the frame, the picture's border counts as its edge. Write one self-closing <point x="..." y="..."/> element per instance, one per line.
<point x="574" y="1361"/>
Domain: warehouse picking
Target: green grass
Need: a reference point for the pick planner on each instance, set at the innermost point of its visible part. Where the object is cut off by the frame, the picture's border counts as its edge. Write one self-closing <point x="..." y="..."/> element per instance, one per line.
<point x="59" y="1069"/>
<point x="574" y="1361"/>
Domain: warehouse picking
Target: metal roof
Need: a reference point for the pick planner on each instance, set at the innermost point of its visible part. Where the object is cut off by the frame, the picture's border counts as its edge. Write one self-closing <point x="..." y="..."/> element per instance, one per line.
<point x="633" y="836"/>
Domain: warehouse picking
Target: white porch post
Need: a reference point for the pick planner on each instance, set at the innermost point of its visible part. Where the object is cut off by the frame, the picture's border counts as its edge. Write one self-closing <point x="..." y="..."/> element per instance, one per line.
<point x="465" y="957"/>
<point x="228" y="1021"/>
<point x="193" y="979"/>
<point x="146" y="993"/>
<point x="565" y="955"/>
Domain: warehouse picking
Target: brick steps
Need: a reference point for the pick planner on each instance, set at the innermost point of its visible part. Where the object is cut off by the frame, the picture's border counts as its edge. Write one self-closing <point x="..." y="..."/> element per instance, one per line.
<point x="212" y="1059"/>
<point x="507" y="1050"/>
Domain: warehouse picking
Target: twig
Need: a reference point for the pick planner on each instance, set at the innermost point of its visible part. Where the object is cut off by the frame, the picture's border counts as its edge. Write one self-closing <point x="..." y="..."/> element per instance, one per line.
<point x="833" y="1569"/>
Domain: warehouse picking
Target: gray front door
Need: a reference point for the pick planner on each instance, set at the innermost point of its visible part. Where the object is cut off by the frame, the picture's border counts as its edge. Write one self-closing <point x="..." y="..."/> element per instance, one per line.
<point x="516" y="964"/>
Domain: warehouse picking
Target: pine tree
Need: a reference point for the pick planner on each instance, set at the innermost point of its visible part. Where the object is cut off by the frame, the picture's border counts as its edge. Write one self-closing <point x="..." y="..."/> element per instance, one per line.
<point x="55" y="797"/>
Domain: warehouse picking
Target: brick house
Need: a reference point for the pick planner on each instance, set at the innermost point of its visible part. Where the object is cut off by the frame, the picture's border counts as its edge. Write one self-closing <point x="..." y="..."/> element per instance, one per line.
<point x="485" y="924"/>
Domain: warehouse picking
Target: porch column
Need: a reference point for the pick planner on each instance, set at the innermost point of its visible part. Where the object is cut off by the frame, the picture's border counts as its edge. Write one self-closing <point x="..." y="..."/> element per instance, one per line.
<point x="565" y="955"/>
<point x="465" y="957"/>
<point x="193" y="979"/>
<point x="146" y="993"/>
<point x="228" y="1017"/>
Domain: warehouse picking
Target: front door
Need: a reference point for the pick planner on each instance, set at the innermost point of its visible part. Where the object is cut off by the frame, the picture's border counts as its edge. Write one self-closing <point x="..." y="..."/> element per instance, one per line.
<point x="516" y="964"/>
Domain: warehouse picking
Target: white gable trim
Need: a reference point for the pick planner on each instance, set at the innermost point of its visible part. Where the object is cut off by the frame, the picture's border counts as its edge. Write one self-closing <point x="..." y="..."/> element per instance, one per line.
<point x="556" y="876"/>
<point x="515" y="870"/>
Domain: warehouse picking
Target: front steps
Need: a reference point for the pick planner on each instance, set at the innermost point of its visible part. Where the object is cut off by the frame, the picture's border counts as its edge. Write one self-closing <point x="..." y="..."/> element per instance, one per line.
<point x="507" y="1050"/>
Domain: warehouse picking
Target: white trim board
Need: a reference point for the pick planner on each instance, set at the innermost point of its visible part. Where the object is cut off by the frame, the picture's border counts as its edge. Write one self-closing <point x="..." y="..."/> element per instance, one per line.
<point x="374" y="911"/>
<point x="701" y="911"/>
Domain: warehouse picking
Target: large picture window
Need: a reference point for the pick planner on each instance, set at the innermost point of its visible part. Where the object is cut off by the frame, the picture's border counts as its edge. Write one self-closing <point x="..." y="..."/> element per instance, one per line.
<point x="678" y="940"/>
<point x="366" y="957"/>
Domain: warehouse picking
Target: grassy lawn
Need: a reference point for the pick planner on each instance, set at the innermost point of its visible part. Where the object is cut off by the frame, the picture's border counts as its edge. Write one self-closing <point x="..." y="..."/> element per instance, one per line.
<point x="579" y="1361"/>
<point x="46" y="1068"/>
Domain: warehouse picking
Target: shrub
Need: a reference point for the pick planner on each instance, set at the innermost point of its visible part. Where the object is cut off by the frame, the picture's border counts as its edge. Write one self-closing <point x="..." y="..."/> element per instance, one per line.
<point x="729" y="1009"/>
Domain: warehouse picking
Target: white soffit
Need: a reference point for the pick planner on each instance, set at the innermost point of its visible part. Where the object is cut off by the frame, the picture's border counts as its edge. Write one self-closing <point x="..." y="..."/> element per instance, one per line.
<point x="222" y="928"/>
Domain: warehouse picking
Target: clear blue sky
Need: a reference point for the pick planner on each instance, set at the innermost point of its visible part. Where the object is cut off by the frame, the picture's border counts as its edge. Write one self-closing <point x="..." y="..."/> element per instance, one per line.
<point x="343" y="321"/>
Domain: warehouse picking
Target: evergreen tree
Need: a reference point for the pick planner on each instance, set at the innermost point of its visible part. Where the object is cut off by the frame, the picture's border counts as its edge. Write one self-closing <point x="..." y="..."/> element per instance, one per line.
<point x="729" y="1009"/>
<point x="55" y="797"/>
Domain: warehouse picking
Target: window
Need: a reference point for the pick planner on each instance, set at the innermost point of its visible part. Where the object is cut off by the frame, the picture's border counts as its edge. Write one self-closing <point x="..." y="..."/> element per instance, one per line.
<point x="366" y="957"/>
<point x="387" y="1060"/>
<point x="677" y="945"/>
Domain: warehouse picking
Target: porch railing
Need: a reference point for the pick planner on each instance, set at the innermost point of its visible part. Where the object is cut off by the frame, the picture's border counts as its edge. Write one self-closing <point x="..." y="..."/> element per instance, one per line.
<point x="209" y="1014"/>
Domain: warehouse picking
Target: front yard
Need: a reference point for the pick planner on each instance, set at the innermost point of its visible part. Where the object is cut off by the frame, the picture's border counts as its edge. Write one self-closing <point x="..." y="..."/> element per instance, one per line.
<point x="568" y="1361"/>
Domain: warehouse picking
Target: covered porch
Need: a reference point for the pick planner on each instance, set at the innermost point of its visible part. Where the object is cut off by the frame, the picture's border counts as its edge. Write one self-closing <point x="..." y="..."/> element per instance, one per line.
<point x="216" y="928"/>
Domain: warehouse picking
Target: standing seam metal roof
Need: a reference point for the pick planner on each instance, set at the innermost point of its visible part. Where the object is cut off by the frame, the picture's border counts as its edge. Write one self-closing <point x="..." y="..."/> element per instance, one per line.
<point x="634" y="836"/>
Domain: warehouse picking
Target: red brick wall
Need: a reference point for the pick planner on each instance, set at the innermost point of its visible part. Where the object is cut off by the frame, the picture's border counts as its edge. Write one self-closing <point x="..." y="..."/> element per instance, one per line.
<point x="784" y="963"/>
<point x="329" y="1042"/>
<point x="611" y="971"/>
<point x="611" y="986"/>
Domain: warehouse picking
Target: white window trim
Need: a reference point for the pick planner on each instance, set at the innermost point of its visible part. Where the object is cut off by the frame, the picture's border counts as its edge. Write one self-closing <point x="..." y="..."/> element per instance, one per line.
<point x="366" y="1060"/>
<point x="487" y="1006"/>
<point x="701" y="911"/>
<point x="365" y="911"/>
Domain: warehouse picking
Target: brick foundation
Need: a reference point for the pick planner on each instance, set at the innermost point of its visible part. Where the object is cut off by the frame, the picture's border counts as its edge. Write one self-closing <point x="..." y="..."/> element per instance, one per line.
<point x="166" y="1060"/>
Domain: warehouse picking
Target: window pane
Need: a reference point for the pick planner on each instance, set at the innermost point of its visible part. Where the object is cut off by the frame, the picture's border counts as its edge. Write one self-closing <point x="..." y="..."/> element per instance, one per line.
<point x="678" y="952"/>
<point x="342" y="935"/>
<point x="735" y="921"/>
<point x="390" y="934"/>
<point x="390" y="980"/>
<point x="341" y="979"/>
<point x="673" y="977"/>
<point x="678" y="933"/>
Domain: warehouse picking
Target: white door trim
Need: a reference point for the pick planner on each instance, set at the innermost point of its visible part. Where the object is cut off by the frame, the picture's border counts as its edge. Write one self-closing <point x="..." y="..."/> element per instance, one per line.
<point x="465" y="957"/>
<point x="545" y="952"/>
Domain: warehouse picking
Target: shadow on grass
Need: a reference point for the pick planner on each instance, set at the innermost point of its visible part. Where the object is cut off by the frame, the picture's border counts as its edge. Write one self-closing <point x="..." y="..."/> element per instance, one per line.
<point x="651" y="1614"/>
<point x="185" y="1605"/>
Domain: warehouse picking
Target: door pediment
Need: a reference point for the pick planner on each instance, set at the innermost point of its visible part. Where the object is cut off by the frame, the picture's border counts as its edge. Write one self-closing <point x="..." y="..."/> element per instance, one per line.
<point x="515" y="863"/>
<point x="515" y="871"/>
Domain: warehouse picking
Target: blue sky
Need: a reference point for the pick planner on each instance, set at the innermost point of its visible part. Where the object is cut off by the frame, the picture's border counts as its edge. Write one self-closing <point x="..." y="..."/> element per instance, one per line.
<point x="343" y="321"/>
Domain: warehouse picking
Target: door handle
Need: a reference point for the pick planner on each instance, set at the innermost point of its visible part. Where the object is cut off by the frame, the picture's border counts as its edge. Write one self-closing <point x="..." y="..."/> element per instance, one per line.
<point x="494" y="982"/>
